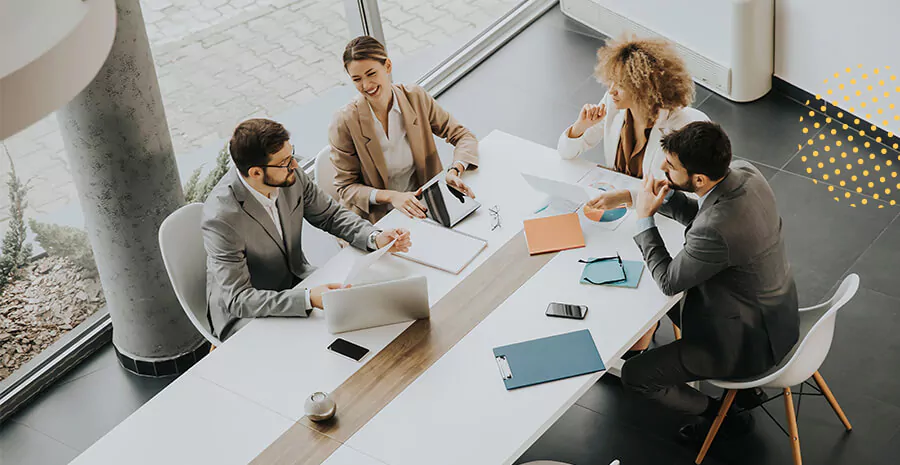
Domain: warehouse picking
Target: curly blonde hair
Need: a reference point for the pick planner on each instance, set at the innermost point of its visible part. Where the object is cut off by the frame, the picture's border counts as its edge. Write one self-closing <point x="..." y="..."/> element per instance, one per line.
<point x="650" y="70"/>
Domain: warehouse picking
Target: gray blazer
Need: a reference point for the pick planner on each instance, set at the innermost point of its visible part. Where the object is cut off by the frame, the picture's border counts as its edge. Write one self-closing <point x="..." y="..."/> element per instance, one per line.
<point x="250" y="271"/>
<point x="740" y="307"/>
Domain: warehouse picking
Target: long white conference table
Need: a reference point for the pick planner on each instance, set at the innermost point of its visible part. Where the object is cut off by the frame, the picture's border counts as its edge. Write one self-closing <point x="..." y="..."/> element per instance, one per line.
<point x="244" y="402"/>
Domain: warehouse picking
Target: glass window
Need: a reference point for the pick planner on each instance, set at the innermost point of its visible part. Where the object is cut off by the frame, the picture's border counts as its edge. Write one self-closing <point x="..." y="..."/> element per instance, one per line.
<point x="431" y="30"/>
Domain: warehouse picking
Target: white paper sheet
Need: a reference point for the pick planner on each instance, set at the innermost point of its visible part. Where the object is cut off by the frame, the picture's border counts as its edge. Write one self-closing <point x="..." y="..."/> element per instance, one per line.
<point x="608" y="180"/>
<point x="363" y="263"/>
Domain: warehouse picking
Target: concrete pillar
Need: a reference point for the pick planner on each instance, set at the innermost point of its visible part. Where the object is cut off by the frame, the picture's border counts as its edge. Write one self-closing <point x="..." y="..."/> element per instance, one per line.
<point x="124" y="168"/>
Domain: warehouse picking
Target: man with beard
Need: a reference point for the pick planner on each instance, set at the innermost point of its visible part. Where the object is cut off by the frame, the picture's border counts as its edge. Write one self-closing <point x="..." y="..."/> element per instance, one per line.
<point x="739" y="315"/>
<point x="252" y="225"/>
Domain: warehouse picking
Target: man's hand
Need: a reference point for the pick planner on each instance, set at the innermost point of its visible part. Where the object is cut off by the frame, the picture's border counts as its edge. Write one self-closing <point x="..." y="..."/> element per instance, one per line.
<point x="453" y="179"/>
<point x="588" y="117"/>
<point x="610" y="200"/>
<point x="315" y="293"/>
<point x="408" y="203"/>
<point x="400" y="235"/>
<point x="651" y="197"/>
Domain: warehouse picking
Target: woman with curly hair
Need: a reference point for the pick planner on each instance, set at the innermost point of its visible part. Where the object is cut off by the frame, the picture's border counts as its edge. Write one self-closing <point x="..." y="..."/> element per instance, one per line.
<point x="649" y="93"/>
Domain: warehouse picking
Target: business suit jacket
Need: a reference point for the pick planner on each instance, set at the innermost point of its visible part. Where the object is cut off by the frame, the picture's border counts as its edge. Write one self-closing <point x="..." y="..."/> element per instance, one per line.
<point x="740" y="308"/>
<point x="609" y="131"/>
<point x="250" y="270"/>
<point x="359" y="161"/>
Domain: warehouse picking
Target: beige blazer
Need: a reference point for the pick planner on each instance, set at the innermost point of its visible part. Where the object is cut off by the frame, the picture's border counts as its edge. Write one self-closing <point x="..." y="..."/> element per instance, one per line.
<point x="359" y="161"/>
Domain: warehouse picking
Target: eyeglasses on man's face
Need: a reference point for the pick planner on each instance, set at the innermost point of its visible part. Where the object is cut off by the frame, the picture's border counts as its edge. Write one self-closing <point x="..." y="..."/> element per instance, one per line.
<point x="289" y="163"/>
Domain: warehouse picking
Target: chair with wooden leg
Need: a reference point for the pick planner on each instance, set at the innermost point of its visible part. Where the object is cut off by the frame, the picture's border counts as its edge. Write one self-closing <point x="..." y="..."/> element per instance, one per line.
<point x="816" y="333"/>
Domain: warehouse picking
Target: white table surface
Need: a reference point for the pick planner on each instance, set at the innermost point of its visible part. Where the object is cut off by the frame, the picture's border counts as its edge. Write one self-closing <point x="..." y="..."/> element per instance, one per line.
<point x="277" y="362"/>
<point x="459" y="411"/>
<point x="191" y="421"/>
<point x="246" y="393"/>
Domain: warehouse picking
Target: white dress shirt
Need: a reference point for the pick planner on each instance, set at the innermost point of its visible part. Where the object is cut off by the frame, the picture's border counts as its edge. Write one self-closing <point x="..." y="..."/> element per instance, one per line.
<point x="271" y="208"/>
<point x="268" y="205"/>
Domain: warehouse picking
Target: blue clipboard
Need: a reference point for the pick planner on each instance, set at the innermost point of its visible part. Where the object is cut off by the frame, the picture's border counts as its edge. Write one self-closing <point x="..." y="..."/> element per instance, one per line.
<point x="548" y="359"/>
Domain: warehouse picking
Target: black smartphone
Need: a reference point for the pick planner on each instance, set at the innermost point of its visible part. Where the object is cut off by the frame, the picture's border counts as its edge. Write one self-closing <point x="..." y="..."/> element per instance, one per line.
<point x="557" y="309"/>
<point x="348" y="349"/>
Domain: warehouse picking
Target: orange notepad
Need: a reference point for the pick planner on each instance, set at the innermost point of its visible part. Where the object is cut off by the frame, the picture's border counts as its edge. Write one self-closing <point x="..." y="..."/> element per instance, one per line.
<point x="553" y="233"/>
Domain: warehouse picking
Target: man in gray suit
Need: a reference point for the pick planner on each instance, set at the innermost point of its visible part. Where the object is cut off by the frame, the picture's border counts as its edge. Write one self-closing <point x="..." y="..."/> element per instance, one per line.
<point x="739" y="316"/>
<point x="252" y="224"/>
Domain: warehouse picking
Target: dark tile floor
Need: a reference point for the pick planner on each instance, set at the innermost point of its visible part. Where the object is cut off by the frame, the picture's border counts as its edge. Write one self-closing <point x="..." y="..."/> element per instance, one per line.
<point x="533" y="87"/>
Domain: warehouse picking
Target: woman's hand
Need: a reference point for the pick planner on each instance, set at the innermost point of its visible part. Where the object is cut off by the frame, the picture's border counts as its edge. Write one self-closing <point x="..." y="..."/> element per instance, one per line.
<point x="454" y="180"/>
<point x="611" y="200"/>
<point x="588" y="117"/>
<point x="407" y="203"/>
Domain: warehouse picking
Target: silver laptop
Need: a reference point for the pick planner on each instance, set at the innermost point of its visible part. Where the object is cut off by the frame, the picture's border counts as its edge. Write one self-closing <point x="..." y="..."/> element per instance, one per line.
<point x="379" y="304"/>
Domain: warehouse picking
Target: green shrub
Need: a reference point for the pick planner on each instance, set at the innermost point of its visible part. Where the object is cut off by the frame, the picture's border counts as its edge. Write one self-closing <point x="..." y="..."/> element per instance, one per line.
<point x="14" y="252"/>
<point x="66" y="241"/>
<point x="197" y="191"/>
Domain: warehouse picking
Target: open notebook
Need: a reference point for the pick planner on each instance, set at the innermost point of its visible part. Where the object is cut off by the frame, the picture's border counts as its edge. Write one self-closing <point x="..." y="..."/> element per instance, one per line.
<point x="439" y="247"/>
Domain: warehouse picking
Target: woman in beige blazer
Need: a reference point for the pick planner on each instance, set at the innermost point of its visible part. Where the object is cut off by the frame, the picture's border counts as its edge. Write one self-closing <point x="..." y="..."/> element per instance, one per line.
<point x="382" y="146"/>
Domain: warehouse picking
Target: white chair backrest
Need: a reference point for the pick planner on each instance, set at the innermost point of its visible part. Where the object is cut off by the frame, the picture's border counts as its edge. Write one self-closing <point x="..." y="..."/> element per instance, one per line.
<point x="324" y="172"/>
<point x="181" y="244"/>
<point x="816" y="332"/>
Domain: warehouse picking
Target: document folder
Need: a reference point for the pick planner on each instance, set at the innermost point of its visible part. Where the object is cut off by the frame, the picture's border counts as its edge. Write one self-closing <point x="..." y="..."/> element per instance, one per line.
<point x="553" y="233"/>
<point x="548" y="359"/>
<point x="633" y="271"/>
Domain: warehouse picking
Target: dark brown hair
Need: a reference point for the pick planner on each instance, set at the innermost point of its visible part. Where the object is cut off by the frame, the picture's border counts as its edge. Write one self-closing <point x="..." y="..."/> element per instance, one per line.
<point x="702" y="147"/>
<point x="651" y="70"/>
<point x="364" y="48"/>
<point x="254" y="141"/>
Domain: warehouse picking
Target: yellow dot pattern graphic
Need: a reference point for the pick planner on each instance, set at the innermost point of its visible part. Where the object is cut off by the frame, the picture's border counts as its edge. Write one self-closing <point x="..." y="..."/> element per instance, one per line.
<point x="858" y="89"/>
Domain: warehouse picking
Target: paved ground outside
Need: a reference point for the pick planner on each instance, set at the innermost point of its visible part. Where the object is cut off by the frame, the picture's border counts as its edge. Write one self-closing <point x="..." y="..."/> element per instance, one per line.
<point x="220" y="61"/>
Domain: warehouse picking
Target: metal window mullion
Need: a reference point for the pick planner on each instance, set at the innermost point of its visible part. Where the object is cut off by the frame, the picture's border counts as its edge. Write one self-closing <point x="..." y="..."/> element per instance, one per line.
<point x="364" y="18"/>
<point x="484" y="45"/>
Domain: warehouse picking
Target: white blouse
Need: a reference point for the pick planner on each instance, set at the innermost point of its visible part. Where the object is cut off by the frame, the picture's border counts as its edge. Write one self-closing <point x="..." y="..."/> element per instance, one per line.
<point x="397" y="154"/>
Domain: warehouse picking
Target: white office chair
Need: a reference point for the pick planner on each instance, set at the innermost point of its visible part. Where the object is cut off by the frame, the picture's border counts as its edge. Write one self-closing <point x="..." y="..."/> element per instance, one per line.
<point x="816" y="333"/>
<point x="324" y="172"/>
<point x="181" y="244"/>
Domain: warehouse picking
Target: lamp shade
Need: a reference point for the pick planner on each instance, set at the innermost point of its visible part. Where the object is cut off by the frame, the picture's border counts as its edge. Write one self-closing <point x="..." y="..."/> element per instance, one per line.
<point x="50" y="50"/>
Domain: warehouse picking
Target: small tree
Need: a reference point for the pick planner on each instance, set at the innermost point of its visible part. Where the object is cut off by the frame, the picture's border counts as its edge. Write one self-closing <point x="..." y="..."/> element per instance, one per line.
<point x="14" y="253"/>
<point x="197" y="191"/>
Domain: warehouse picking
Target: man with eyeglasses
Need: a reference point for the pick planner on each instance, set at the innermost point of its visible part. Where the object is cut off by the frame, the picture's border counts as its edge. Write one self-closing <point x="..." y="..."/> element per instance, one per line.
<point x="252" y="223"/>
